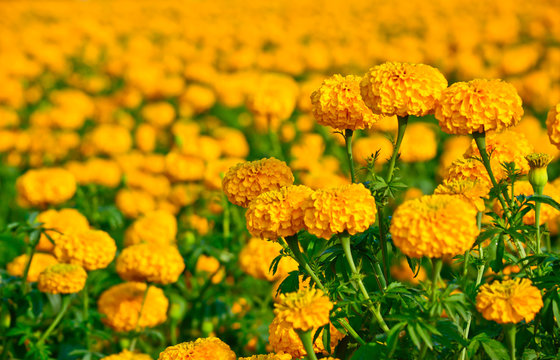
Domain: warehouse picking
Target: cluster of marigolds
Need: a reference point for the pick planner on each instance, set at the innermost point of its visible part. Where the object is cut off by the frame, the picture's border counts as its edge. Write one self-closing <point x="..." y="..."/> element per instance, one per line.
<point x="141" y="110"/>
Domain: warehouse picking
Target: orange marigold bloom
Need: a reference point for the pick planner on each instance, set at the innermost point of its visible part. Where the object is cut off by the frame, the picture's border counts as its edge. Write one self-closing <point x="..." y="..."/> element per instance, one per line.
<point x="277" y="213"/>
<point x="434" y="226"/>
<point x="470" y="190"/>
<point x="257" y="255"/>
<point x="128" y="355"/>
<point x="39" y="263"/>
<point x="305" y="309"/>
<point x="201" y="349"/>
<point x="338" y="104"/>
<point x="121" y="306"/>
<point x="509" y="301"/>
<point x="133" y="203"/>
<point x="91" y="249"/>
<point x="156" y="227"/>
<point x="473" y="170"/>
<point x="158" y="263"/>
<point x="553" y="125"/>
<point x="62" y="279"/>
<point x="245" y="181"/>
<point x="477" y="106"/>
<point x="402" y="89"/>
<point x="41" y="187"/>
<point x="63" y="221"/>
<point x="347" y="208"/>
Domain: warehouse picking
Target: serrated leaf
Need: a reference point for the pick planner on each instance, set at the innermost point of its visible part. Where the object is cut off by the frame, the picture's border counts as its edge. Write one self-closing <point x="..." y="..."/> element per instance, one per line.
<point x="495" y="350"/>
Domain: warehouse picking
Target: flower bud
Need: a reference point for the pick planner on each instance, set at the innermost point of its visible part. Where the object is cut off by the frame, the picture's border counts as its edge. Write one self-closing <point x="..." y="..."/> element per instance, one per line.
<point x="538" y="176"/>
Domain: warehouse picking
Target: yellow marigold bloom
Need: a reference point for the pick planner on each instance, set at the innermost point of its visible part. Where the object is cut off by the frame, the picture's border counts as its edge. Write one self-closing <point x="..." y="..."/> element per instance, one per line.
<point x="509" y="301"/>
<point x="46" y="186"/>
<point x="257" y="255"/>
<point x="96" y="171"/>
<point x="232" y="142"/>
<point x="403" y="272"/>
<point x="305" y="309"/>
<point x="145" y="137"/>
<point x="434" y="226"/>
<point x="245" y="181"/>
<point x="133" y="203"/>
<point x="279" y="356"/>
<point x="185" y="194"/>
<point x="278" y="213"/>
<point x="283" y="338"/>
<point x="338" y="104"/>
<point x="201" y="349"/>
<point x="63" y="221"/>
<point x="453" y="148"/>
<point x="159" y="114"/>
<point x="504" y="147"/>
<point x="367" y="146"/>
<point x="156" y="227"/>
<point x="62" y="279"/>
<point x="182" y="167"/>
<point x="91" y="249"/>
<point x="39" y="263"/>
<point x="157" y="263"/>
<point x="348" y="208"/>
<point x="473" y="170"/>
<point x="128" y="355"/>
<point x="211" y="266"/>
<point x="110" y="139"/>
<point x="470" y="190"/>
<point x="402" y="89"/>
<point x="121" y="304"/>
<point x="553" y="125"/>
<point x="477" y="106"/>
<point x="215" y="171"/>
<point x="419" y="143"/>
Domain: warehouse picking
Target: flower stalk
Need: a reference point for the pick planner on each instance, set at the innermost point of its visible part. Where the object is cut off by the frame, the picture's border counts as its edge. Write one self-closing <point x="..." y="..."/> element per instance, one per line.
<point x="136" y="334"/>
<point x="348" y="141"/>
<point x="307" y="342"/>
<point x="65" y="304"/>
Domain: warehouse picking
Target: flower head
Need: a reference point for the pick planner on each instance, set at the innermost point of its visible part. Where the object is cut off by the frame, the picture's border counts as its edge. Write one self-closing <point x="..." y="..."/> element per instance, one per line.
<point x="471" y="190"/>
<point x="553" y="125"/>
<point x="156" y="227"/>
<point x="91" y="249"/>
<point x="434" y="226"/>
<point x="39" y="263"/>
<point x="158" y="263"/>
<point x="347" y="208"/>
<point x="509" y="301"/>
<point x="245" y="181"/>
<point x="277" y="213"/>
<point x="478" y="106"/>
<point x="402" y="89"/>
<point x="538" y="176"/>
<point x="63" y="221"/>
<point x="121" y="304"/>
<point x="41" y="187"/>
<point x="338" y="104"/>
<point x="201" y="349"/>
<point x="62" y="279"/>
<point x="472" y="169"/>
<point x="257" y="255"/>
<point x="305" y="309"/>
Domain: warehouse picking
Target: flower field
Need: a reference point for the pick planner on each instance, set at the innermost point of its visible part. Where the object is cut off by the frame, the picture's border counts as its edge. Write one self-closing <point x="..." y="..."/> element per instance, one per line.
<point x="224" y="180"/>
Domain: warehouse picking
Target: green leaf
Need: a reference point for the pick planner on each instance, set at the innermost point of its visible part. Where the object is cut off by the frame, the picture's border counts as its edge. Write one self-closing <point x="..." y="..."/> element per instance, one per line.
<point x="370" y="351"/>
<point x="495" y="350"/>
<point x="413" y="336"/>
<point x="544" y="199"/>
<point x="393" y="337"/>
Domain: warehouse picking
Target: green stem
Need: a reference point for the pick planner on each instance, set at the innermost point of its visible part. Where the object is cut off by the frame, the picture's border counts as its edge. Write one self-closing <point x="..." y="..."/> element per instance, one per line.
<point x="86" y="315"/>
<point x="136" y="334"/>
<point x="307" y="342"/>
<point x="227" y="218"/>
<point x="538" y="226"/>
<point x="402" y="123"/>
<point x="30" y="253"/>
<point x="351" y="331"/>
<point x="437" y="264"/>
<point x="510" y="331"/>
<point x="65" y="303"/>
<point x="348" y="140"/>
<point x="384" y="245"/>
<point x="293" y="244"/>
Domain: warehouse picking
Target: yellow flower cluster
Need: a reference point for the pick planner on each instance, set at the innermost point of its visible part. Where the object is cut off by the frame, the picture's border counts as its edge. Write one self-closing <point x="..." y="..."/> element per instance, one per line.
<point x="278" y="213"/>
<point x="91" y="249"/>
<point x="402" y="89"/>
<point x="553" y="125"/>
<point x="200" y="349"/>
<point x="305" y="309"/>
<point x="121" y="304"/>
<point x="157" y="263"/>
<point x="127" y="355"/>
<point x="470" y="190"/>
<point x="96" y="171"/>
<point x="46" y="186"/>
<point x="246" y="181"/>
<point x="62" y="279"/>
<point x="257" y="255"/>
<point x="348" y="208"/>
<point x="434" y="226"/>
<point x="63" y="221"/>
<point x="39" y="263"/>
<point x="338" y="104"/>
<point x="157" y="227"/>
<point x="471" y="169"/>
<point x="509" y="301"/>
<point x="477" y="106"/>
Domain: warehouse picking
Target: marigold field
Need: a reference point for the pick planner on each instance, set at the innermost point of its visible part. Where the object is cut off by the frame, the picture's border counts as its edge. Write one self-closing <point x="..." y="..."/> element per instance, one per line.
<point x="278" y="180"/>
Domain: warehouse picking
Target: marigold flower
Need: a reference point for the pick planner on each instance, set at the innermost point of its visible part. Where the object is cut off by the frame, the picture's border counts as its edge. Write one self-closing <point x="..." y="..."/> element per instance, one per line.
<point x="305" y="309"/>
<point x="159" y="114"/>
<point x="338" y="104"/>
<point x="245" y="181"/>
<point x="279" y="356"/>
<point x="41" y="187"/>
<point x="477" y="106"/>
<point x="201" y="349"/>
<point x="278" y="213"/>
<point x="470" y="190"/>
<point x="110" y="139"/>
<point x="419" y="143"/>
<point x="402" y="89"/>
<point x="96" y="171"/>
<point x="538" y="176"/>
<point x="128" y="355"/>
<point x="553" y="125"/>
<point x="183" y="167"/>
<point x="156" y="227"/>
<point x="257" y="255"/>
<point x="509" y="301"/>
<point x="211" y="266"/>
<point x="434" y="226"/>
<point x="157" y="263"/>
<point x="347" y="208"/>
<point x="91" y="249"/>
<point x="473" y="169"/>
<point x="63" y="221"/>
<point x="121" y="304"/>
<point x="62" y="279"/>
<point x="133" y="203"/>
<point x="39" y="263"/>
